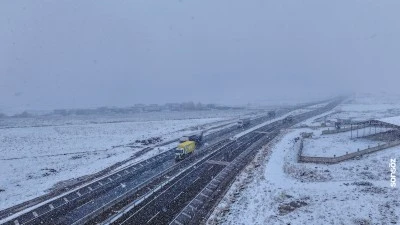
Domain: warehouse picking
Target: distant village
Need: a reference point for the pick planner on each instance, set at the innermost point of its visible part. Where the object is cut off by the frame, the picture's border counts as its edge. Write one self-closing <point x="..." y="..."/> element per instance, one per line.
<point x="137" y="108"/>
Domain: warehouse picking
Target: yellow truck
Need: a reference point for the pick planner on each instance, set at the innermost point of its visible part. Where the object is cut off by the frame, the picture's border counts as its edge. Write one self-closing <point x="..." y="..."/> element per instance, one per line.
<point x="184" y="149"/>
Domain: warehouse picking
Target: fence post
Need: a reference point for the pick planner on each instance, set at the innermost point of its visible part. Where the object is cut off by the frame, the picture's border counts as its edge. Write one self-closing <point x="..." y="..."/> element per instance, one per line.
<point x="351" y="131"/>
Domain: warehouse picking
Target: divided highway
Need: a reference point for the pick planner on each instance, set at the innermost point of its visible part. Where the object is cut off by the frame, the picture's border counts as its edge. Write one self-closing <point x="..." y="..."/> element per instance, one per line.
<point x="81" y="204"/>
<point x="155" y="190"/>
<point x="167" y="204"/>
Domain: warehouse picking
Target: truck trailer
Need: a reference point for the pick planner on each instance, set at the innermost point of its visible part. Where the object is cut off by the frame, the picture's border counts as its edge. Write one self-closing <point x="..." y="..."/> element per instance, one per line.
<point x="196" y="137"/>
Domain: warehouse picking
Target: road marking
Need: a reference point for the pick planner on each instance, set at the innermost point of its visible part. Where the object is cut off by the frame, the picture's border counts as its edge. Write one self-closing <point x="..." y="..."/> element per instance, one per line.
<point x="51" y="206"/>
<point x="101" y="184"/>
<point x="185" y="214"/>
<point x="262" y="132"/>
<point x="213" y="185"/>
<point x="177" y="196"/>
<point x="66" y="200"/>
<point x="35" y="214"/>
<point x="177" y="222"/>
<point x="198" y="200"/>
<point x="196" y="179"/>
<point x="222" y="163"/>
<point x="204" y="195"/>
<point x="152" y="217"/>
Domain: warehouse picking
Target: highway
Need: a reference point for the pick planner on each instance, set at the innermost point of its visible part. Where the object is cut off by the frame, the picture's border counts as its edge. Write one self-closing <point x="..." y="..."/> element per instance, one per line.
<point x="155" y="190"/>
<point x="82" y="203"/>
<point x="174" y="197"/>
<point x="170" y="200"/>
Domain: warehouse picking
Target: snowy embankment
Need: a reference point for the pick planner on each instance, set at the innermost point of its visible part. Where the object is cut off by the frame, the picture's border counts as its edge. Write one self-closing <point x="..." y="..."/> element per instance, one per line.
<point x="34" y="158"/>
<point x="275" y="189"/>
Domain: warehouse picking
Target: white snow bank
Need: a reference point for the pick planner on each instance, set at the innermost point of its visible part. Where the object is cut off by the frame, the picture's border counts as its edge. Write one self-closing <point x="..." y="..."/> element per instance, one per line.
<point x="395" y="120"/>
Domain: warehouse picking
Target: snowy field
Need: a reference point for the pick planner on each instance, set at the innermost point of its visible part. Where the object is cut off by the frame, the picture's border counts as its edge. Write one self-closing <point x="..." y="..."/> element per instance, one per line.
<point x="35" y="155"/>
<point x="335" y="144"/>
<point x="364" y="107"/>
<point x="275" y="189"/>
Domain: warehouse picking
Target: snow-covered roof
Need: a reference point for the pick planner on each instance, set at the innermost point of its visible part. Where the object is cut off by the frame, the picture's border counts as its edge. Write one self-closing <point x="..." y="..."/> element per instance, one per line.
<point x="395" y="120"/>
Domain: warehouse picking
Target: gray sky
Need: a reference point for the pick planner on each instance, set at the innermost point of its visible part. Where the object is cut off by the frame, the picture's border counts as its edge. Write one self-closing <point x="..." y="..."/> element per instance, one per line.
<point x="62" y="53"/>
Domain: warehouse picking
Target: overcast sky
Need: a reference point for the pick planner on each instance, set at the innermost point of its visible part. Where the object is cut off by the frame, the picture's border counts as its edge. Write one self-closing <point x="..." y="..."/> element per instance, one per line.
<point x="56" y="54"/>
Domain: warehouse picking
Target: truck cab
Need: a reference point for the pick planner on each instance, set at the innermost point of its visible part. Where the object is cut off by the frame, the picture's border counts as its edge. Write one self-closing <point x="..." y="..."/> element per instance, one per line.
<point x="184" y="149"/>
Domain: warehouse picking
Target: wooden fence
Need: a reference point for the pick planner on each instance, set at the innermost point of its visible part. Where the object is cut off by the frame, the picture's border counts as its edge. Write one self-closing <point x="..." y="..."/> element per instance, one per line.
<point x="331" y="160"/>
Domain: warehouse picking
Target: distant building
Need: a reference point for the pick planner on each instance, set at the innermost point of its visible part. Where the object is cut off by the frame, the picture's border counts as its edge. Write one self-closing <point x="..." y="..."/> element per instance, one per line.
<point x="173" y="106"/>
<point x="153" y="108"/>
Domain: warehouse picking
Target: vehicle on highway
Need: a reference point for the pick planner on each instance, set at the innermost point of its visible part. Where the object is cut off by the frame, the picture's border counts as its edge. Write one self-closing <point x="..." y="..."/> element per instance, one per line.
<point x="243" y="122"/>
<point x="288" y="119"/>
<point x="184" y="149"/>
<point x="188" y="144"/>
<point x="196" y="137"/>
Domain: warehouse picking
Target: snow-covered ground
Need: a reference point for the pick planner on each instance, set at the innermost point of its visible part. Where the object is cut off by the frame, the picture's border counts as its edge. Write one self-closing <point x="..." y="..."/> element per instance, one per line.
<point x="275" y="189"/>
<point x="335" y="144"/>
<point x="36" y="155"/>
<point x="364" y="107"/>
